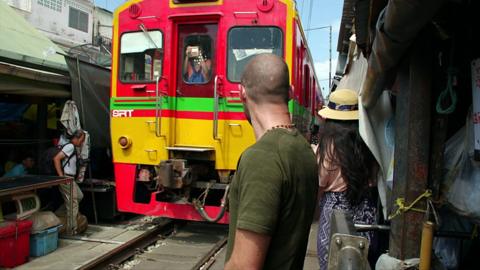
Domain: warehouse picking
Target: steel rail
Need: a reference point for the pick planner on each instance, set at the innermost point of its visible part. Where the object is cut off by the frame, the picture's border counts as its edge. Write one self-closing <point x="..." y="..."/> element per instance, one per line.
<point x="130" y="248"/>
<point x="208" y="259"/>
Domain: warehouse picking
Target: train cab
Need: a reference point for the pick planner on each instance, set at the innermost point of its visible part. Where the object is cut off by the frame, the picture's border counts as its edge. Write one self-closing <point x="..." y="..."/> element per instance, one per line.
<point x="177" y="122"/>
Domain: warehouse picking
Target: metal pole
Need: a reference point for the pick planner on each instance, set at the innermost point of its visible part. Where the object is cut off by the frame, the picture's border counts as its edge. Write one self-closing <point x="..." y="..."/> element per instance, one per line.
<point x="71" y="228"/>
<point x="81" y="93"/>
<point x="412" y="147"/>
<point x="329" y="50"/>
<point x="309" y="16"/>
<point x="42" y="126"/>
<point x="94" y="204"/>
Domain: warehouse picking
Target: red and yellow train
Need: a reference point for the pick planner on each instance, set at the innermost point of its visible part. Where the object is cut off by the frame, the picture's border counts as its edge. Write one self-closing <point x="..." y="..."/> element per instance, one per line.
<point x="177" y="123"/>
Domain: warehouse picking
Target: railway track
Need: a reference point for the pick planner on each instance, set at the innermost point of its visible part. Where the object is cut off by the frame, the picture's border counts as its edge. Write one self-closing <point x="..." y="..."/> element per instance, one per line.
<point x="172" y="245"/>
<point x="130" y="248"/>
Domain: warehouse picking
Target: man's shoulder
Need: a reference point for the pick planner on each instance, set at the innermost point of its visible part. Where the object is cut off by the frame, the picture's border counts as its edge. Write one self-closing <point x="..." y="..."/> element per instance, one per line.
<point x="258" y="151"/>
<point x="258" y="161"/>
<point x="289" y="142"/>
<point x="278" y="143"/>
<point x="67" y="148"/>
<point x="68" y="145"/>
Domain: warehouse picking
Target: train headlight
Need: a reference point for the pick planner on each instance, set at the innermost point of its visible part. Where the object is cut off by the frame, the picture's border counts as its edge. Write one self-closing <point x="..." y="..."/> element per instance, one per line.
<point x="124" y="142"/>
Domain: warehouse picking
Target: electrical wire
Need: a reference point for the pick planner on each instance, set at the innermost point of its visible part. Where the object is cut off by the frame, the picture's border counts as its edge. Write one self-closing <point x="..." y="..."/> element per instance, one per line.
<point x="309" y="17"/>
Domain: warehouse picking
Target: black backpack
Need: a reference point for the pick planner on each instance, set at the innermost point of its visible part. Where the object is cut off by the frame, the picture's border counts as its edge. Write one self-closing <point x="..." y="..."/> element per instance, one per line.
<point x="47" y="166"/>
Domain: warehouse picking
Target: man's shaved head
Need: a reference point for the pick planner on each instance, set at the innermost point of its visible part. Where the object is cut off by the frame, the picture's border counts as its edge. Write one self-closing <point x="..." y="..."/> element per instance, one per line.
<point x="266" y="79"/>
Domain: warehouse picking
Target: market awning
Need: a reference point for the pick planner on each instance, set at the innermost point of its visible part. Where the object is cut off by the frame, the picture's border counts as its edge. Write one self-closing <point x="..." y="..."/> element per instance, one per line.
<point x="22" y="44"/>
<point x="18" y="80"/>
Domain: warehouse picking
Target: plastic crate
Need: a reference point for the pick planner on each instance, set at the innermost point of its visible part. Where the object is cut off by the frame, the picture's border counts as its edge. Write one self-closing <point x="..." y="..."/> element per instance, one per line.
<point x="14" y="242"/>
<point x="44" y="242"/>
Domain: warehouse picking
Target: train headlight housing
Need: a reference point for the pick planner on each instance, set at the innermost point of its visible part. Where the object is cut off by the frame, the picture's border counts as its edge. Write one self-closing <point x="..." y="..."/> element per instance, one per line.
<point x="265" y="5"/>
<point x="124" y="142"/>
<point x="134" y="11"/>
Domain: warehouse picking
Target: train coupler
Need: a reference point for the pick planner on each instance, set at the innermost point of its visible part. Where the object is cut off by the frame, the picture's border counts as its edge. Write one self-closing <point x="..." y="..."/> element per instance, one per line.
<point x="173" y="173"/>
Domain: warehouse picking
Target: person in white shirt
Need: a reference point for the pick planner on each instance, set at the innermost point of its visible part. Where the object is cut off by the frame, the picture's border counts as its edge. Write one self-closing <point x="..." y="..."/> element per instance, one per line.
<point x="66" y="165"/>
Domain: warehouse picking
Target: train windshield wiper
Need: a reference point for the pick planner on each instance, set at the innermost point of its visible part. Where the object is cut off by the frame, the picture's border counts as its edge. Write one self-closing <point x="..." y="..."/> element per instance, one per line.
<point x="147" y="35"/>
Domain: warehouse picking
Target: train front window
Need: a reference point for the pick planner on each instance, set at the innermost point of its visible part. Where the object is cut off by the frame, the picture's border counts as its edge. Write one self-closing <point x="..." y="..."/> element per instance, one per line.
<point x="197" y="59"/>
<point x="246" y="42"/>
<point x="141" y="55"/>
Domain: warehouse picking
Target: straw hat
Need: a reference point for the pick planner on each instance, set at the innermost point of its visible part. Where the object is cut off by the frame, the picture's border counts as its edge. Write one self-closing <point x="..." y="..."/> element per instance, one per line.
<point x="342" y="105"/>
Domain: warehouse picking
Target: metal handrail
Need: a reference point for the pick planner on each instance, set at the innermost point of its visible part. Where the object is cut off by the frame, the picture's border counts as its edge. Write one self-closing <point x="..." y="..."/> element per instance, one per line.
<point x="158" y="109"/>
<point x="215" y="109"/>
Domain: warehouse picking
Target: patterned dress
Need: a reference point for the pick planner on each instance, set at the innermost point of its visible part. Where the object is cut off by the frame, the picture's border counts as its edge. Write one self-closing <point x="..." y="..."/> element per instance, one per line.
<point x="363" y="213"/>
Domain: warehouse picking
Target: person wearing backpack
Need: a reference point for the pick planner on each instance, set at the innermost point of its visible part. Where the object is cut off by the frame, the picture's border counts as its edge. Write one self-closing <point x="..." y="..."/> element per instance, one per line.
<point x="65" y="162"/>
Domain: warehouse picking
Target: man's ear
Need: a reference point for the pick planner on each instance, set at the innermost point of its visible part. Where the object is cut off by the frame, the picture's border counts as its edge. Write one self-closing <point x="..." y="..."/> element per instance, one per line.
<point x="242" y="93"/>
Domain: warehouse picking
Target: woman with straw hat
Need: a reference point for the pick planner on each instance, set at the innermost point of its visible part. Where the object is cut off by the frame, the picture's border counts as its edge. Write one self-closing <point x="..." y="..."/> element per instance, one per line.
<point x="347" y="169"/>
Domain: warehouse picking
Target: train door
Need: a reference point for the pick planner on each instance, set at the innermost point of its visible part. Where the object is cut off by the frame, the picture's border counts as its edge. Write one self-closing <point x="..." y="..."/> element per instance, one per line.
<point x="195" y="84"/>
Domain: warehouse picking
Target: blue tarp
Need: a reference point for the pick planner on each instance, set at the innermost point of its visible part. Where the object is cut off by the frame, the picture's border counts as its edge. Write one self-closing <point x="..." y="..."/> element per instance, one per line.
<point x="12" y="111"/>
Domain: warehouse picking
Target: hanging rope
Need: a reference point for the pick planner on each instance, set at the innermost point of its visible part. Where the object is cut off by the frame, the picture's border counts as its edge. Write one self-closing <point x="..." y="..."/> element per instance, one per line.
<point x="400" y="202"/>
<point x="448" y="92"/>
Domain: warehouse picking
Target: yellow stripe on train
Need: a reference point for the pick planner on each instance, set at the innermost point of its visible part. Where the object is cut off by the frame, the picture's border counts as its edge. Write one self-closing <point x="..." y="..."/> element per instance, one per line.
<point x="148" y="148"/>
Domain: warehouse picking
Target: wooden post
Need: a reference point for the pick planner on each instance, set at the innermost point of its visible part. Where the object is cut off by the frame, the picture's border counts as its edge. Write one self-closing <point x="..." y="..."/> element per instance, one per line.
<point x="42" y="127"/>
<point x="412" y="143"/>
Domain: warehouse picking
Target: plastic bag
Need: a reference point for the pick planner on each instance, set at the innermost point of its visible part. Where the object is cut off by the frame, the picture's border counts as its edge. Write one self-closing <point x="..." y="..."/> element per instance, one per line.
<point x="386" y="262"/>
<point x="447" y="249"/>
<point x="43" y="220"/>
<point x="462" y="184"/>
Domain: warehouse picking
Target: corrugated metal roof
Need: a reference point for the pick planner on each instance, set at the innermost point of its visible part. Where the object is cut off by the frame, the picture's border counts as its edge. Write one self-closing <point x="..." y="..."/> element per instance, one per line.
<point x="21" y="42"/>
<point x="346" y="25"/>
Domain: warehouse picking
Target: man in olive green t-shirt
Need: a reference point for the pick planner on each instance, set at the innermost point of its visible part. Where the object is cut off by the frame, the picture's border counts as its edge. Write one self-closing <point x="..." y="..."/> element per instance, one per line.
<point x="273" y="193"/>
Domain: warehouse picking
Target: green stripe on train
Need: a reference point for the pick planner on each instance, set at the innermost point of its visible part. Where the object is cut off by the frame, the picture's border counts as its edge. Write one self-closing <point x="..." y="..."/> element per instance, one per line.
<point x="178" y="103"/>
<point x="189" y="104"/>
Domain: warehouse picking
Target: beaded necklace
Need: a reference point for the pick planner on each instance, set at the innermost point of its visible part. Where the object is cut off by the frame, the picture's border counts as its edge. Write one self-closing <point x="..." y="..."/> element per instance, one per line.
<point x="289" y="126"/>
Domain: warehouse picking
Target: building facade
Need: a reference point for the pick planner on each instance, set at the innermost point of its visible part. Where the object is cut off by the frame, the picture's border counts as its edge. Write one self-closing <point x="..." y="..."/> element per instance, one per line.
<point x="77" y="26"/>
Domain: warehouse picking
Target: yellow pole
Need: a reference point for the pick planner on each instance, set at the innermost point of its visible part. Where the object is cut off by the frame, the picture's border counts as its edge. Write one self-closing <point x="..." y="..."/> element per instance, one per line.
<point x="426" y="245"/>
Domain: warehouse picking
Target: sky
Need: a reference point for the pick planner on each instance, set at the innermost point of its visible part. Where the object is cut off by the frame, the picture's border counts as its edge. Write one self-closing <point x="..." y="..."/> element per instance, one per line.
<point x="321" y="13"/>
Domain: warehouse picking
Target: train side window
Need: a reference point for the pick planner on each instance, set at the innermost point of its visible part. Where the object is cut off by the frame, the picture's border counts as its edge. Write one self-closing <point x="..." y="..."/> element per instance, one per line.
<point x="197" y="59"/>
<point x="246" y="42"/>
<point x="141" y="55"/>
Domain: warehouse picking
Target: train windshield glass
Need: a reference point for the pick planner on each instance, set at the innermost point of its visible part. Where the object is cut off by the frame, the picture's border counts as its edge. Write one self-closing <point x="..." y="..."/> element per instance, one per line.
<point x="141" y="55"/>
<point x="197" y="59"/>
<point x="246" y="42"/>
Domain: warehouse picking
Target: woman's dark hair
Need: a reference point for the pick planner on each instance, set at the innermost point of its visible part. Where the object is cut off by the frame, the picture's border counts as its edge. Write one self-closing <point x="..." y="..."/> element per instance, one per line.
<point x="350" y="154"/>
